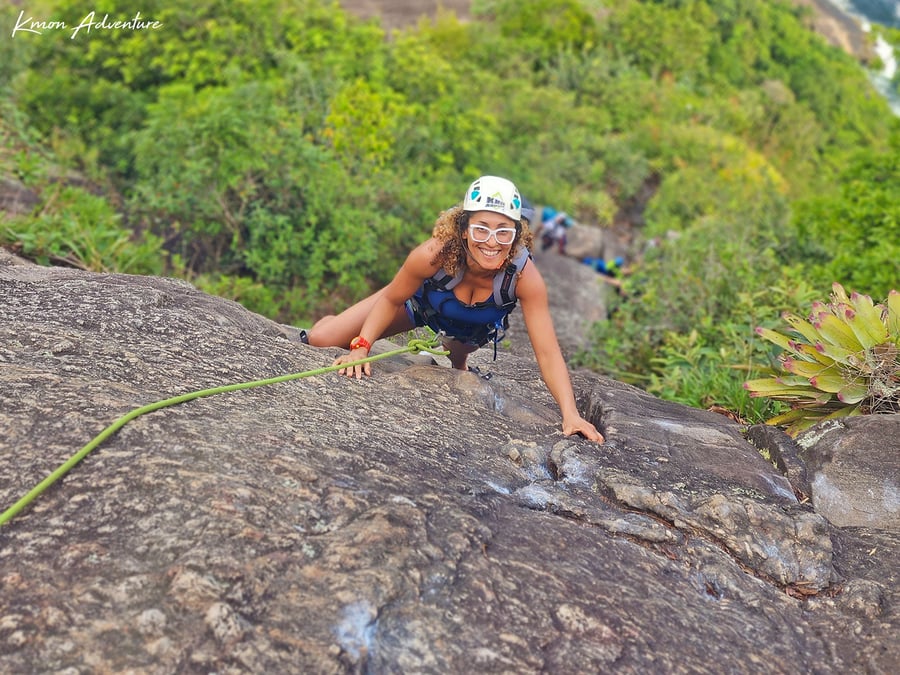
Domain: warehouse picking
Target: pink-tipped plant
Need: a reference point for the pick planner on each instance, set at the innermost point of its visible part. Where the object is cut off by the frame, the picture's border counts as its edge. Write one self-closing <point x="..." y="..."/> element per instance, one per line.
<point x="844" y="360"/>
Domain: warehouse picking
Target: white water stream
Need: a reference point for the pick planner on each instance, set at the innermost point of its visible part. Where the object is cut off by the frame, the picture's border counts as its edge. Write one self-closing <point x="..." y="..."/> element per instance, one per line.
<point x="882" y="80"/>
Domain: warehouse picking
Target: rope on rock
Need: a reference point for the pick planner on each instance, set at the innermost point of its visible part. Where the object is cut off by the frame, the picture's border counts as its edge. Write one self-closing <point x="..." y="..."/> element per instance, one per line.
<point x="414" y="346"/>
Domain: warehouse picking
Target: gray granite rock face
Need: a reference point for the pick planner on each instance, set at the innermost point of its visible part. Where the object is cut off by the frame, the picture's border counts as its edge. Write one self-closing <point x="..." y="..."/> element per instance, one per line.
<point x="422" y="520"/>
<point x="854" y="468"/>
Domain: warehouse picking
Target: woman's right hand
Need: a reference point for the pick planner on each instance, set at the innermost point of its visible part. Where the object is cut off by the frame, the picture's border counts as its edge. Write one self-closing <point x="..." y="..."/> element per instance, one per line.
<point x="359" y="369"/>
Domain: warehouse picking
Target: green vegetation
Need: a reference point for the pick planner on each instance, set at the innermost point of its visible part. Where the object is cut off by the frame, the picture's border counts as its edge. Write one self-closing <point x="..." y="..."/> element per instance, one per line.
<point x="287" y="155"/>
<point x="845" y="360"/>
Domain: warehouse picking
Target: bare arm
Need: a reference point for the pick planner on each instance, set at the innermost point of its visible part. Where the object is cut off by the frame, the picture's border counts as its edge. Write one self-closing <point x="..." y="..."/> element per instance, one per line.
<point x="390" y="300"/>
<point x="532" y="293"/>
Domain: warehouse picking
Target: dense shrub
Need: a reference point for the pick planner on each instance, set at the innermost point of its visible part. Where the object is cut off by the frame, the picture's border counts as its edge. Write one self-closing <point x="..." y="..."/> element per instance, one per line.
<point x="75" y="227"/>
<point x="288" y="155"/>
<point x="853" y="233"/>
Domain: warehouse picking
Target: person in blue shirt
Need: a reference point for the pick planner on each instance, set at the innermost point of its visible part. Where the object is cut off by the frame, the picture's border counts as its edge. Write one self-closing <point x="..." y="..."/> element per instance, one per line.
<point x="463" y="282"/>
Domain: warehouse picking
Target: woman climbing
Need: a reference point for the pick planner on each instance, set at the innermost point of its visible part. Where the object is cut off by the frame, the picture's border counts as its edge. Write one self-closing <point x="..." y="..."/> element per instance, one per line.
<point x="464" y="281"/>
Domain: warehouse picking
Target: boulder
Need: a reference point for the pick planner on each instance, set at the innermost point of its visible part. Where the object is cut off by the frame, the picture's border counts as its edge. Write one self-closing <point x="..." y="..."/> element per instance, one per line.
<point x="854" y="468"/>
<point x="15" y="198"/>
<point x="585" y="241"/>
<point x="785" y="454"/>
<point x="421" y="520"/>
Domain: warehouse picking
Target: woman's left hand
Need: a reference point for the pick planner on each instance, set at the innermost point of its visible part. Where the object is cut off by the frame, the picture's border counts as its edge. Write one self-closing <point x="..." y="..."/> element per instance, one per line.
<point x="581" y="426"/>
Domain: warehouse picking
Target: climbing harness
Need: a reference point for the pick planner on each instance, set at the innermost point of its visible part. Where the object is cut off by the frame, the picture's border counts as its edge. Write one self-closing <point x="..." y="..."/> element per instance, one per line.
<point x="414" y="346"/>
<point x="435" y="305"/>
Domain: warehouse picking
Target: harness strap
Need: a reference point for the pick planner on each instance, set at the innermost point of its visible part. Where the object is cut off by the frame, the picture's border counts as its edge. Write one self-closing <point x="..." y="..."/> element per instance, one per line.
<point x="444" y="282"/>
<point x="505" y="284"/>
<point x="506" y="290"/>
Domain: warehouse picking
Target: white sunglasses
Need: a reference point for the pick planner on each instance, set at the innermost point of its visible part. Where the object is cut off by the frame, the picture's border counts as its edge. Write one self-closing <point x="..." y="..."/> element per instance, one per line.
<point x="502" y="235"/>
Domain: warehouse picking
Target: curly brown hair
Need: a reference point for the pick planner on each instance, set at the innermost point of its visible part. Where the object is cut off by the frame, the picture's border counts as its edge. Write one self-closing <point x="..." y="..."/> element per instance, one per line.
<point x="449" y="228"/>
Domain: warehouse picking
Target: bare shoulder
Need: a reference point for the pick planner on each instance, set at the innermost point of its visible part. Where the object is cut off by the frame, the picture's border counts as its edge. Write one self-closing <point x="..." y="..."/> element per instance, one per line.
<point x="420" y="259"/>
<point x="530" y="283"/>
<point x="431" y="246"/>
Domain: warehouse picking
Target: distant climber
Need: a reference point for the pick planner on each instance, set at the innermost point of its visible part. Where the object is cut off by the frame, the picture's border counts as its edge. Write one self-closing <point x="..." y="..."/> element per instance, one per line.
<point x="554" y="226"/>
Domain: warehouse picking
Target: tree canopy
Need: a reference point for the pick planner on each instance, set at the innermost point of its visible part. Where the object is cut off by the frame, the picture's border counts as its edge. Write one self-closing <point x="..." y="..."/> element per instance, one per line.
<point x="287" y="154"/>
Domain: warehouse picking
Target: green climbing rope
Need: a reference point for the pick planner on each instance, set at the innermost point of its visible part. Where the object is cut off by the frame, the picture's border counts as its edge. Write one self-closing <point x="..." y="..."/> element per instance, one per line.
<point x="414" y="346"/>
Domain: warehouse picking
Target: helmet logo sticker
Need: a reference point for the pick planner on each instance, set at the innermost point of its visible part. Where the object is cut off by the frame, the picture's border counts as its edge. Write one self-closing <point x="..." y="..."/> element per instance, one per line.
<point x="494" y="201"/>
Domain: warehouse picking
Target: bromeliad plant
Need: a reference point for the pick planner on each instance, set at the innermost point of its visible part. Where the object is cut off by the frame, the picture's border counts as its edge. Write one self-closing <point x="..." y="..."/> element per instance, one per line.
<point x="845" y="360"/>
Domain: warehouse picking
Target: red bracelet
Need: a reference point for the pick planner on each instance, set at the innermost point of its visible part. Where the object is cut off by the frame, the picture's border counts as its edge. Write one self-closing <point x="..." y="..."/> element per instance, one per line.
<point x="360" y="341"/>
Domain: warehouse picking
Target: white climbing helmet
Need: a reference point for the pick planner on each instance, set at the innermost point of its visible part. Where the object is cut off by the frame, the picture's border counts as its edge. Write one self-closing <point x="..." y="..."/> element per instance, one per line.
<point x="492" y="193"/>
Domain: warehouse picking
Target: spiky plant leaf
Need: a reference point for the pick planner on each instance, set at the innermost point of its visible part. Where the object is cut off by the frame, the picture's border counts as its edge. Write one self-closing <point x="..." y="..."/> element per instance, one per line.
<point x="801" y="326"/>
<point x="844" y="411"/>
<point x="811" y="354"/>
<point x="793" y="380"/>
<point x="801" y="419"/>
<point x="836" y="332"/>
<point x="786" y="417"/>
<point x="868" y="332"/>
<point x="892" y="315"/>
<point x="838" y="293"/>
<point x="863" y="304"/>
<point x="836" y="353"/>
<point x="788" y="394"/>
<point x="797" y="420"/>
<point x="774" y="337"/>
<point x="832" y="383"/>
<point x="767" y="386"/>
<point x="852" y="392"/>
<point x="805" y="368"/>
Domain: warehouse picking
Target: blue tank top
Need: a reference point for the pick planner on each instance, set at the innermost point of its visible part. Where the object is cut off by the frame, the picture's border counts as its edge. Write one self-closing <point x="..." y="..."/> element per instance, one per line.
<point x="435" y="305"/>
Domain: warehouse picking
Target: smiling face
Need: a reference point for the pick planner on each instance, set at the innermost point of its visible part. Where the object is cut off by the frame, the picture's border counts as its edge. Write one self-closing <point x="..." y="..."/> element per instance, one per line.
<point x="490" y="254"/>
